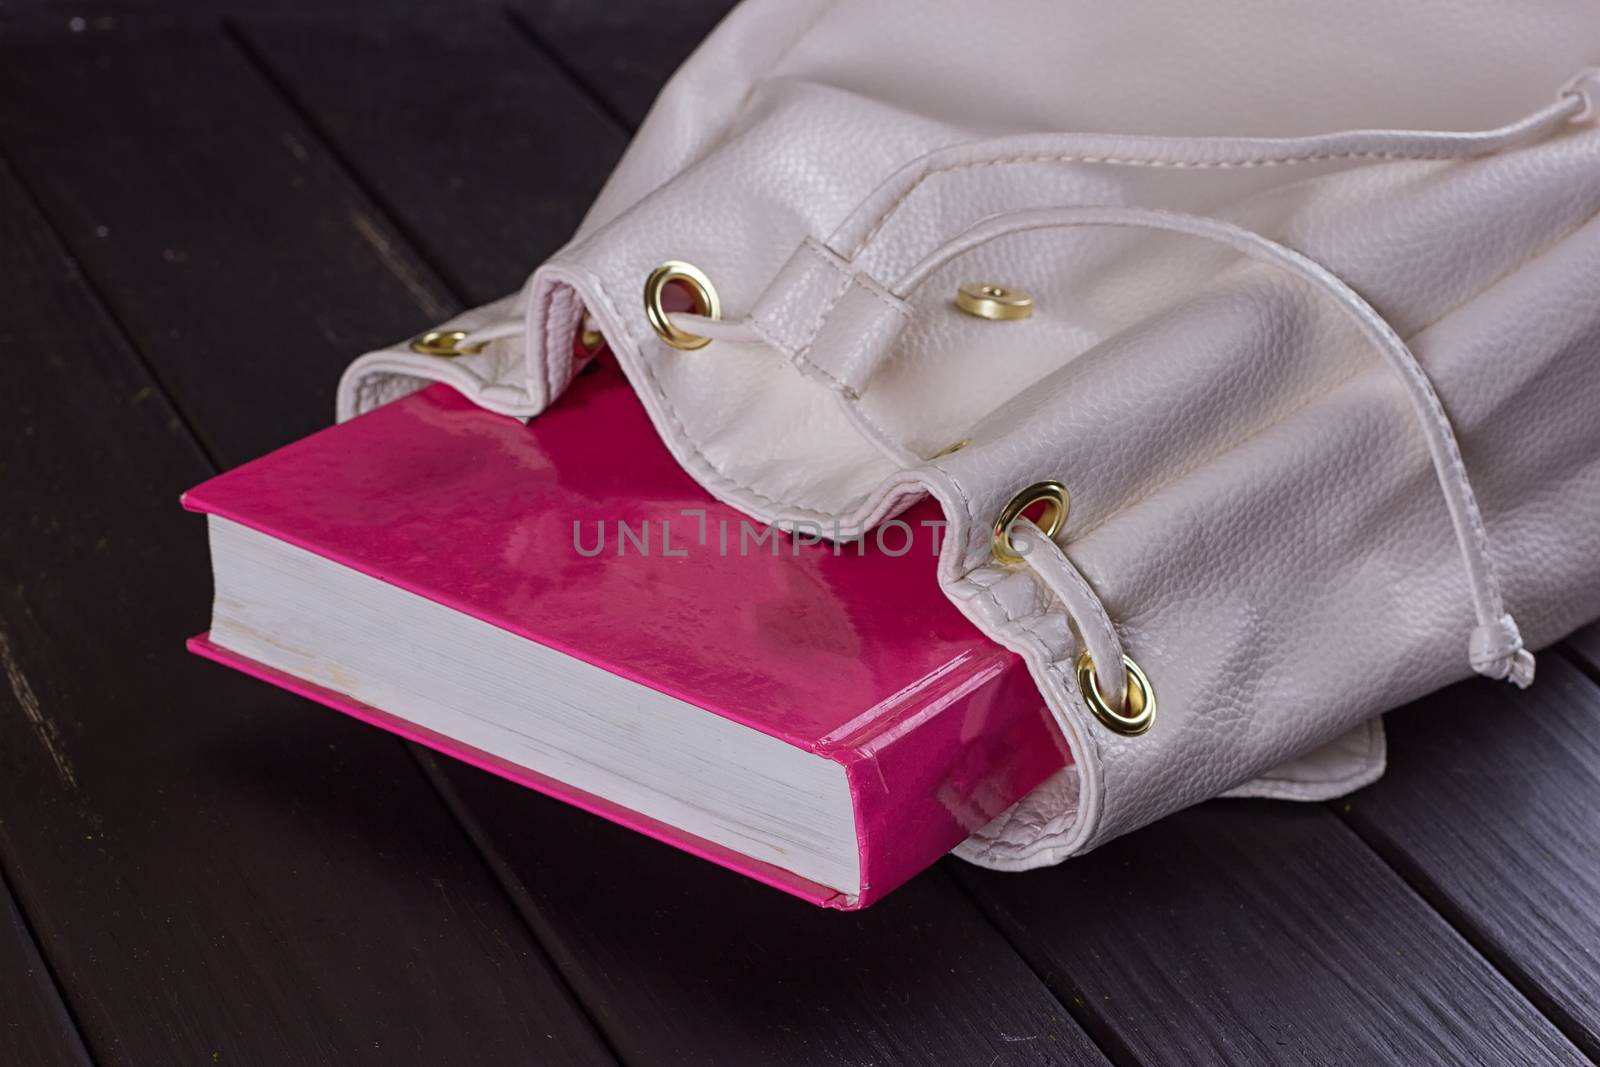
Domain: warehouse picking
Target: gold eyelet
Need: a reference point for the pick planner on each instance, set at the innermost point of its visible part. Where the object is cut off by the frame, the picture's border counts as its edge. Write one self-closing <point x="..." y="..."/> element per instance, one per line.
<point x="1050" y="493"/>
<point x="1000" y="303"/>
<point x="1138" y="710"/>
<point x="443" y="343"/>
<point x="705" y="302"/>
<point x="589" y="336"/>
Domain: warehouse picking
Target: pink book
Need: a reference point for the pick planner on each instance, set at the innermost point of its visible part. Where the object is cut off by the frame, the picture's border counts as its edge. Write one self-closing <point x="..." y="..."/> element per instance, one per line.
<point x="558" y="603"/>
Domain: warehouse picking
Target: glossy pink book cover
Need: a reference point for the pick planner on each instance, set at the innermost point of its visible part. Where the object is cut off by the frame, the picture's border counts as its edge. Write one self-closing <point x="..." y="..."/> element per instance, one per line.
<point x="851" y="651"/>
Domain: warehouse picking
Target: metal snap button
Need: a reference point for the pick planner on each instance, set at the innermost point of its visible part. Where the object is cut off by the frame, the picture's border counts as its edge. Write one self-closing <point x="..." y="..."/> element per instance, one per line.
<point x="987" y="300"/>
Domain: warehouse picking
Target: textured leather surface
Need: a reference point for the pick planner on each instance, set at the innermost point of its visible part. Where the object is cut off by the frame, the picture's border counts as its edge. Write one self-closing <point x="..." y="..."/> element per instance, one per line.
<point x="1252" y="499"/>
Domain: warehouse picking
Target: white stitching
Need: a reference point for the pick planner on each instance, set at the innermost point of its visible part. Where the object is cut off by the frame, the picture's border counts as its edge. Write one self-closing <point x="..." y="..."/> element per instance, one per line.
<point x="688" y="442"/>
<point x="1118" y="161"/>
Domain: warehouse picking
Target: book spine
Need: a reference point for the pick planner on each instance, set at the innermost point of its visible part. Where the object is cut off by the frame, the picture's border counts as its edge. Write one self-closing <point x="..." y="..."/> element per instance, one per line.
<point x="945" y="767"/>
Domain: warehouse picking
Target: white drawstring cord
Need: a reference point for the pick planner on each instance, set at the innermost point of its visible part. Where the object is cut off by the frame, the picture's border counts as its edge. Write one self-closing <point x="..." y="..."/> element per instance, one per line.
<point x="733" y="331"/>
<point x="1575" y="102"/>
<point x="1083" y="606"/>
<point x="1495" y="646"/>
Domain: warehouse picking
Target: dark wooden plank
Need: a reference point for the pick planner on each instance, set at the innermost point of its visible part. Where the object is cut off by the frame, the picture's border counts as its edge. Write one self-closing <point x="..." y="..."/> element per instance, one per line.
<point x="216" y="871"/>
<point x="35" y="1027"/>
<point x="1549" y="949"/>
<point x="512" y="152"/>
<point x="925" y="978"/>
<point x="1585" y="646"/>
<point x="1491" y="806"/>
<point x="637" y="1013"/>
<point x="370" y="159"/>
<point x="235" y="253"/>
<point x="1260" y="932"/>
<point x="683" y="962"/>
<point x="624" y="50"/>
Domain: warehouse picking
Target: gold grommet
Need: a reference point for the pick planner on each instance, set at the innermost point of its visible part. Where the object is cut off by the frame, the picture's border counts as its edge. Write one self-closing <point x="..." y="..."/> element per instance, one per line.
<point x="445" y="343"/>
<point x="1138" y="709"/>
<point x="951" y="449"/>
<point x="1050" y="493"/>
<point x="590" y="339"/>
<point x="998" y="302"/>
<point x="705" y="302"/>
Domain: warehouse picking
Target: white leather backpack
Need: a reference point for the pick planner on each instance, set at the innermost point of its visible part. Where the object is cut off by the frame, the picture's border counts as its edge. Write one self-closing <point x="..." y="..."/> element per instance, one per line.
<point x="1256" y="401"/>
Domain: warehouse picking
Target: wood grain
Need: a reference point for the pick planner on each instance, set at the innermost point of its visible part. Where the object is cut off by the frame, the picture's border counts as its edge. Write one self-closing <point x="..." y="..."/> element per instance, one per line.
<point x="238" y="257"/>
<point x="622" y="51"/>
<point x="509" y="153"/>
<point x="35" y="1027"/>
<point x="1584" y="646"/>
<point x="218" y="872"/>
<point x="926" y="977"/>
<point x="248" y="264"/>
<point x="1490" y="807"/>
<point x="684" y="962"/>
<point x="1254" y="932"/>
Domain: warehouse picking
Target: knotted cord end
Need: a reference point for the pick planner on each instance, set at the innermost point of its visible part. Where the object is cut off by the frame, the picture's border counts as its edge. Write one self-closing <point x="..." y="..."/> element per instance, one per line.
<point x="1496" y="651"/>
